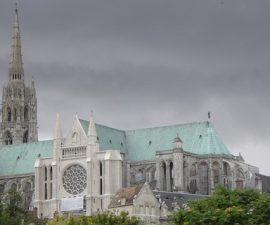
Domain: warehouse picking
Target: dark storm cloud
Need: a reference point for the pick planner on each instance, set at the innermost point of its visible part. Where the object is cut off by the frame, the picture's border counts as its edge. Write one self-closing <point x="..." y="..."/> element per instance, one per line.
<point x="149" y="63"/>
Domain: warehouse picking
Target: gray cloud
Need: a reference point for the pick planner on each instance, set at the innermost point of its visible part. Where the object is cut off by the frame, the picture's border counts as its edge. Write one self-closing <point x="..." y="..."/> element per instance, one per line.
<point x="149" y="63"/>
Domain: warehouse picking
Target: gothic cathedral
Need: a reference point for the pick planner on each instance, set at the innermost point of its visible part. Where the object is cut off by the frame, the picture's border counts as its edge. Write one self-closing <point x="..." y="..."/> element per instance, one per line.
<point x="19" y="103"/>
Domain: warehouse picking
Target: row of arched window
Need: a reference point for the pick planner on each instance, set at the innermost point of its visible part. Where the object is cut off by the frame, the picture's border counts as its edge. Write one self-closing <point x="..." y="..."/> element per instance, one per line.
<point x="8" y="138"/>
<point x="220" y="175"/>
<point x="16" y="76"/>
<point x="16" y="113"/>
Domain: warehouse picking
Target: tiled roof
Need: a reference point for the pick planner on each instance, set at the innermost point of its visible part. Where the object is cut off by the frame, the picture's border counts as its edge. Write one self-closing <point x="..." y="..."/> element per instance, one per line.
<point x="20" y="159"/>
<point x="124" y="196"/>
<point x="173" y="199"/>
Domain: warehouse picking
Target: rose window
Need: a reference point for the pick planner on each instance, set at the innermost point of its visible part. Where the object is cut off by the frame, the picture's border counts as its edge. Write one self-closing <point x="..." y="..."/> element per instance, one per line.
<point x="74" y="179"/>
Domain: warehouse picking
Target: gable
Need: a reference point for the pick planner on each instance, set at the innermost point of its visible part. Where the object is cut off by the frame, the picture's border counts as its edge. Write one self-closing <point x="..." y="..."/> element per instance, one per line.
<point x="146" y="197"/>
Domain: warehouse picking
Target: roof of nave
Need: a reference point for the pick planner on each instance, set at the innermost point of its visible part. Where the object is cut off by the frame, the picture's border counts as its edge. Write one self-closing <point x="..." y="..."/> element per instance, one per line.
<point x="141" y="144"/>
<point x="20" y="159"/>
<point x="198" y="138"/>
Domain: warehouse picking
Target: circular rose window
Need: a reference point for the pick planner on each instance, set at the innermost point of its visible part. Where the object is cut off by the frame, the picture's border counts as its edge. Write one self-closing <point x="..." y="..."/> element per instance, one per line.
<point x="74" y="179"/>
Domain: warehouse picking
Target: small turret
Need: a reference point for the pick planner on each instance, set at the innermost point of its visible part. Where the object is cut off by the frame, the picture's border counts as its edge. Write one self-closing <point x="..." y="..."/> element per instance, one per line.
<point x="177" y="143"/>
<point x="92" y="132"/>
<point x="57" y="138"/>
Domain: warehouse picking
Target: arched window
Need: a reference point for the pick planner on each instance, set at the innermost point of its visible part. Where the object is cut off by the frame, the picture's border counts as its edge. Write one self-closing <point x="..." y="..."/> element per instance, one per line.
<point x="171" y="177"/>
<point x="27" y="195"/>
<point x="100" y="169"/>
<point x="15" y="114"/>
<point x="226" y="169"/>
<point x="203" y="178"/>
<point x="7" y="137"/>
<point x="193" y="170"/>
<point x="14" y="186"/>
<point x="25" y="137"/>
<point x="193" y="186"/>
<point x="240" y="177"/>
<point x="163" y="176"/>
<point x="2" y="188"/>
<point x="26" y="118"/>
<point x="8" y="114"/>
<point x="215" y="171"/>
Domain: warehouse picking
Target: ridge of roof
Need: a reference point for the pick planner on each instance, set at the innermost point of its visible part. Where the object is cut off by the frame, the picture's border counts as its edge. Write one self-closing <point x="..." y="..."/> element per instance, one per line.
<point x="168" y="126"/>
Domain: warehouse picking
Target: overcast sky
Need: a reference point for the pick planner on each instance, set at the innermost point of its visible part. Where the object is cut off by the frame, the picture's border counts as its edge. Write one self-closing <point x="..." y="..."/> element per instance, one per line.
<point x="145" y="63"/>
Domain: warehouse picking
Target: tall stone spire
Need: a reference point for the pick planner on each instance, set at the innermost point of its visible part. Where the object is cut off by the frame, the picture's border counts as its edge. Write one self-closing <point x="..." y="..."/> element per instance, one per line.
<point x="16" y="72"/>
<point x="19" y="102"/>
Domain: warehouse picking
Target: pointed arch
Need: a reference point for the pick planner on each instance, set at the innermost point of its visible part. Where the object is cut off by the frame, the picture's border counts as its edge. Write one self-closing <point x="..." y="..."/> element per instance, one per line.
<point x="14" y="186"/>
<point x="216" y="173"/>
<point x="7" y="138"/>
<point x="15" y="114"/>
<point x="26" y="113"/>
<point x="25" y="137"/>
<point x="240" y="177"/>
<point x="8" y="114"/>
<point x="203" y="178"/>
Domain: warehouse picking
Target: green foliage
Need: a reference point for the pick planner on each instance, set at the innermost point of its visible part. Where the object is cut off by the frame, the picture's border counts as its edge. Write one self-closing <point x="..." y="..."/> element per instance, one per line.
<point x="239" y="207"/>
<point x="98" y="219"/>
<point x="12" y="212"/>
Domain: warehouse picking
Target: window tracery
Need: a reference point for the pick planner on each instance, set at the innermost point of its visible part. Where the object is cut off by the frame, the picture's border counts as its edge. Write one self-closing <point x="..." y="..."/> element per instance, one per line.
<point x="74" y="179"/>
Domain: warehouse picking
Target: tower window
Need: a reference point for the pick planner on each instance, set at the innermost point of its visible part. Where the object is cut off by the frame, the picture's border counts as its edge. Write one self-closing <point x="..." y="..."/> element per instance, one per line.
<point x="8" y="114"/>
<point x="25" y="137"/>
<point x="7" y="138"/>
<point x="26" y="113"/>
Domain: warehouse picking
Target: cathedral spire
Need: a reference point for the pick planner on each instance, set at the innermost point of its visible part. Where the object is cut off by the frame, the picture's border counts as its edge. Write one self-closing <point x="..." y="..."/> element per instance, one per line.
<point x="16" y="72"/>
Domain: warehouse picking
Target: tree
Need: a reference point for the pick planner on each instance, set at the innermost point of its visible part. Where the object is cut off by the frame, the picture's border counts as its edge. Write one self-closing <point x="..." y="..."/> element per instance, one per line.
<point x="98" y="219"/>
<point x="12" y="211"/>
<point x="242" y="207"/>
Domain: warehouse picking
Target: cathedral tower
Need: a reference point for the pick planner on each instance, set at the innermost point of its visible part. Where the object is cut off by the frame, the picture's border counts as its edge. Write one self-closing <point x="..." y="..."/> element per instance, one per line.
<point x="19" y="103"/>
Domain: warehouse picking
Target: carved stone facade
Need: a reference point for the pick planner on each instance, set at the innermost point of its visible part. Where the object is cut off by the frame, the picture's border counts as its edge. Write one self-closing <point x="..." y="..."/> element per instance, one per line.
<point x="19" y="103"/>
<point x="77" y="168"/>
<point x="25" y="184"/>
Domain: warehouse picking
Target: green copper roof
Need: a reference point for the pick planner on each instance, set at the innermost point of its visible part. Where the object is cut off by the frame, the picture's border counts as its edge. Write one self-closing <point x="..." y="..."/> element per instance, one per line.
<point x="142" y="144"/>
<point x="198" y="138"/>
<point x="109" y="138"/>
<point x="20" y="159"/>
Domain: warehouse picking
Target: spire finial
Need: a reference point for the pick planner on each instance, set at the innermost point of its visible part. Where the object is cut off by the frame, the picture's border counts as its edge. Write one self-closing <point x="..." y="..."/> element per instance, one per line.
<point x="58" y="129"/>
<point x="16" y="6"/>
<point x="92" y="133"/>
<point x="209" y="115"/>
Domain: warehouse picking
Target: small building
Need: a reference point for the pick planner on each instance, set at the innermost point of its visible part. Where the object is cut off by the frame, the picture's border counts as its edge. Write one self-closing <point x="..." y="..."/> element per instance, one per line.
<point x="152" y="207"/>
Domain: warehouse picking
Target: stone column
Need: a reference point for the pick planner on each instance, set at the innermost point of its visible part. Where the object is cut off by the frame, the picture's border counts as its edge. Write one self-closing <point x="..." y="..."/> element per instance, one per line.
<point x="159" y="178"/>
<point x="168" y="176"/>
<point x="211" y="177"/>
